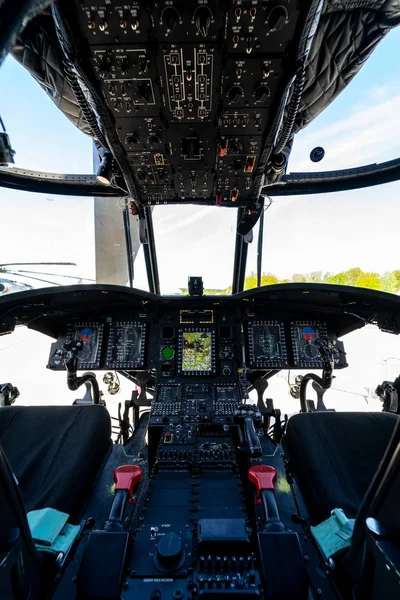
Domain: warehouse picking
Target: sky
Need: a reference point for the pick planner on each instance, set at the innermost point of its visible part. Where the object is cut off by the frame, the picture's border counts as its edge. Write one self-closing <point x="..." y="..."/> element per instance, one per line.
<point x="302" y="234"/>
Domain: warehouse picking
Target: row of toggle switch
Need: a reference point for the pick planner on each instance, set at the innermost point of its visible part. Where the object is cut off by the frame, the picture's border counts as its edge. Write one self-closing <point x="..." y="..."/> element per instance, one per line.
<point x="225" y="564"/>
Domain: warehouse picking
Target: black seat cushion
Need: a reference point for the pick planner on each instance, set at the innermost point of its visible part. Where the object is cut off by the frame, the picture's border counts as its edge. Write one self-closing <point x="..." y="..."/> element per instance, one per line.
<point x="55" y="452"/>
<point x="334" y="456"/>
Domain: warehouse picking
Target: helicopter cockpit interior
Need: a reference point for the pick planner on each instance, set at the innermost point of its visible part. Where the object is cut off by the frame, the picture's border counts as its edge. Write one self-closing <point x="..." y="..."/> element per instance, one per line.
<point x="210" y="490"/>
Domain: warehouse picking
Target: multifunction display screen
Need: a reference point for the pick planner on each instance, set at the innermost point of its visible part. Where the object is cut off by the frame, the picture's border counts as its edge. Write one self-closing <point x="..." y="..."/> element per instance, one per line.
<point x="91" y="335"/>
<point x="126" y="345"/>
<point x="306" y="336"/>
<point x="267" y="346"/>
<point x="197" y="351"/>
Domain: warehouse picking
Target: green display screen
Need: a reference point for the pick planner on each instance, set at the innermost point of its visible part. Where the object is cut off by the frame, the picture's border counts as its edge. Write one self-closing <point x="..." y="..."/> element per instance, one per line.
<point x="197" y="351"/>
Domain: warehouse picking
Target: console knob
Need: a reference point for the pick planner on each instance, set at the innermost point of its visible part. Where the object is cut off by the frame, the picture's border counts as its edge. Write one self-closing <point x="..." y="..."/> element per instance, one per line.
<point x="226" y="370"/>
<point x="236" y="147"/>
<point x="153" y="140"/>
<point x="170" y="18"/>
<point x="237" y="165"/>
<point x="169" y="550"/>
<point x="277" y="18"/>
<point x="144" y="91"/>
<point x="235" y="93"/>
<point x="132" y="140"/>
<point x="124" y="66"/>
<point x="202" y="19"/>
<point x="262" y="93"/>
<point x="104" y="69"/>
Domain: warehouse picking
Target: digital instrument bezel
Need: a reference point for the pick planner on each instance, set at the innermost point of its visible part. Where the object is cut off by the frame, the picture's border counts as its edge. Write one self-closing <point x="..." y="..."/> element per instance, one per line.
<point x="295" y="327"/>
<point x="207" y="330"/>
<point x="138" y="363"/>
<point x="191" y="317"/>
<point x="267" y="362"/>
<point x="72" y="334"/>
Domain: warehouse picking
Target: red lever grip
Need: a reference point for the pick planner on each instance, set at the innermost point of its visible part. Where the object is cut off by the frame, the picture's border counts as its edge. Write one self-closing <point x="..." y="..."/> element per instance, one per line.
<point x="127" y="477"/>
<point x="263" y="477"/>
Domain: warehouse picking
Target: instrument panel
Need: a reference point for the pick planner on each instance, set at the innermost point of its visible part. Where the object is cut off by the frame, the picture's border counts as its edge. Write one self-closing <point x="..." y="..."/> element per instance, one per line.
<point x="194" y="88"/>
<point x="207" y="343"/>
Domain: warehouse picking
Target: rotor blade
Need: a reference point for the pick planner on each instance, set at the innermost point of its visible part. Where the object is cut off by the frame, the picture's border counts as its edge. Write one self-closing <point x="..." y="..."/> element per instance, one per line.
<point x="20" y="264"/>
<point x="36" y="278"/>
<point x="52" y="274"/>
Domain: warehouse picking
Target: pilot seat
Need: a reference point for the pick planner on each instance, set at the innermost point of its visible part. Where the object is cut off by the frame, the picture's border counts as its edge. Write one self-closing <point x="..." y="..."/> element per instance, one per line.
<point x="56" y="453"/>
<point x="334" y="457"/>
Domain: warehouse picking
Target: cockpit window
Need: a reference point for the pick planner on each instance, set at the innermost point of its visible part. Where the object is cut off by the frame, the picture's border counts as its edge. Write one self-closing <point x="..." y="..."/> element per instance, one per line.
<point x="194" y="240"/>
<point x="61" y="235"/>
<point x="347" y="238"/>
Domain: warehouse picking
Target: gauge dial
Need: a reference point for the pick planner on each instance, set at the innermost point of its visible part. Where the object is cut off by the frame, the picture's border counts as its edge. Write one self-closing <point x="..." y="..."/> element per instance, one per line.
<point x="305" y="338"/>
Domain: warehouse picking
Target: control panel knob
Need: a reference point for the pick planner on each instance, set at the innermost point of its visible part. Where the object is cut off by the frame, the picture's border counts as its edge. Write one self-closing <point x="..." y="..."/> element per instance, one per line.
<point x="236" y="147"/>
<point x="170" y="18"/>
<point x="226" y="370"/>
<point x="132" y="140"/>
<point x="202" y="19"/>
<point x="237" y="165"/>
<point x="235" y="93"/>
<point x="124" y="66"/>
<point x="144" y="91"/>
<point x="153" y="140"/>
<point x="277" y="18"/>
<point x="104" y="68"/>
<point x="169" y="550"/>
<point x="191" y="148"/>
<point x="262" y="93"/>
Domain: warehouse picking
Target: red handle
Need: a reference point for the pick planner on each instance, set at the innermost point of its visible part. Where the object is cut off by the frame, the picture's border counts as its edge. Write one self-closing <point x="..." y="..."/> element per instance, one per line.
<point x="263" y="477"/>
<point x="127" y="477"/>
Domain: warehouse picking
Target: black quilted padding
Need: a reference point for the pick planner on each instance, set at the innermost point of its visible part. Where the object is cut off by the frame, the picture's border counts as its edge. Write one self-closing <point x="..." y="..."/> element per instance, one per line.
<point x="38" y="50"/>
<point x="347" y="34"/>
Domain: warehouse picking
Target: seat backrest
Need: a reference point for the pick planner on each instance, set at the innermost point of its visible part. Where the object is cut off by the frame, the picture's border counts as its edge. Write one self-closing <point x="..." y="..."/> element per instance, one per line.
<point x="21" y="573"/>
<point x="386" y="476"/>
<point x="368" y="560"/>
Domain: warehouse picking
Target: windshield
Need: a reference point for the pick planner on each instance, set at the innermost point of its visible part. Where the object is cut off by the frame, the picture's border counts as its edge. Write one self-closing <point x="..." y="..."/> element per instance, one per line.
<point x="348" y="238"/>
<point x="194" y="241"/>
<point x="69" y="239"/>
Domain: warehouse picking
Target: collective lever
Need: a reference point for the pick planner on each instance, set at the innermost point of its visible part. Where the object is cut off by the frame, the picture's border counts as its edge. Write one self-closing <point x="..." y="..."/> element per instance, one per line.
<point x="264" y="477"/>
<point x="126" y="478"/>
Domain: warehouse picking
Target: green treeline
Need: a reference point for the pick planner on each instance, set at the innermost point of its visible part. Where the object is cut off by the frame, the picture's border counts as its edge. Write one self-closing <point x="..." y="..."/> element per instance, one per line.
<point x="389" y="281"/>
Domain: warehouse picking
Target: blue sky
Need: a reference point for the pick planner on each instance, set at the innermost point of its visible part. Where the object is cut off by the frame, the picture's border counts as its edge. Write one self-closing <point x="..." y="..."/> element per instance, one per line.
<point x="302" y="234"/>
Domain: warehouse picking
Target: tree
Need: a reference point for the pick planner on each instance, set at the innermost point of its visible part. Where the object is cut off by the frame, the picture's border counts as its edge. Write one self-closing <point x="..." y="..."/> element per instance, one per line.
<point x="315" y="277"/>
<point x="298" y="278"/>
<point x="353" y="275"/>
<point x="338" y="279"/>
<point x="250" y="281"/>
<point x="268" y="279"/>
<point x="397" y="275"/>
<point x="369" y="280"/>
<point x="389" y="282"/>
